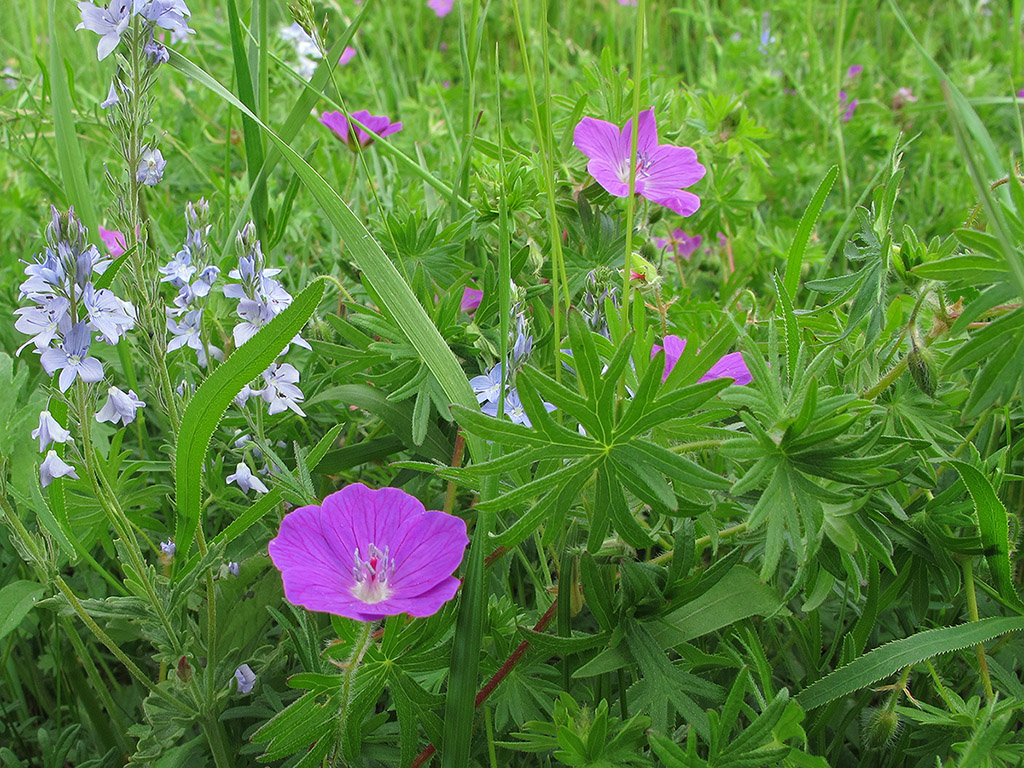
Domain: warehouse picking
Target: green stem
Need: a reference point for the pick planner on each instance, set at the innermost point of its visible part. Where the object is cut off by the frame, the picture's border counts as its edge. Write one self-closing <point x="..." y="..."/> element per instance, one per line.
<point x="214" y="730"/>
<point x="638" y="54"/>
<point x="362" y="644"/>
<point x="967" y="567"/>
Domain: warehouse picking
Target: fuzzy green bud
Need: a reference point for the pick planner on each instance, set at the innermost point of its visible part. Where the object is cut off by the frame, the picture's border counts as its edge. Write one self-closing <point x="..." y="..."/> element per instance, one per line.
<point x="921" y="365"/>
<point x="879" y="727"/>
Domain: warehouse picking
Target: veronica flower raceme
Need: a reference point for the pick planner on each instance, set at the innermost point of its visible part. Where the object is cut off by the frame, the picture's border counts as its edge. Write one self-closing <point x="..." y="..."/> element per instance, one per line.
<point x="661" y="169"/>
<point x="368" y="554"/>
<point x="732" y="366"/>
<point x="353" y="130"/>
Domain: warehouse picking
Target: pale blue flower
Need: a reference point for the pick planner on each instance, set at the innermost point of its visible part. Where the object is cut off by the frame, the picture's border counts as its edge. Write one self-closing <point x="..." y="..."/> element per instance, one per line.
<point x="49" y="431"/>
<point x="151" y="167"/>
<point x="53" y="467"/>
<point x="245" y="678"/>
<point x="72" y="358"/>
<point x="112" y="97"/>
<point x="120" y="407"/>
<point x="246" y="480"/>
<point x="487" y="387"/>
<point x="281" y="391"/>
<point x="110" y="23"/>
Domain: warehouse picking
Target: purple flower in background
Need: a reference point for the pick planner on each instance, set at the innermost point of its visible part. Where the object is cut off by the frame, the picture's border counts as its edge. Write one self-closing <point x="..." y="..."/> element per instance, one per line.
<point x="234" y="569"/>
<point x="513" y="408"/>
<point x="661" y="169"/>
<point x="368" y="554"/>
<point x="246" y="480"/>
<point x="347" y="55"/>
<point x="151" y="167"/>
<point x="351" y="129"/>
<point x="848" y="105"/>
<point x="732" y="366"/>
<point x="120" y="407"/>
<point x="245" y="678"/>
<point x="441" y="7"/>
<point x="49" y="431"/>
<point x="471" y="298"/>
<point x="114" y="242"/>
<point x="679" y="243"/>
<point x="71" y="359"/>
<point x="109" y="23"/>
<point x="854" y="72"/>
<point x="53" y="467"/>
<point x="627" y="2"/>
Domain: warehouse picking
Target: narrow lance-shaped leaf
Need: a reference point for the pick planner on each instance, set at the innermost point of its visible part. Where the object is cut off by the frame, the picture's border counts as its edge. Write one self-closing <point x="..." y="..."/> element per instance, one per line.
<point x="213" y="397"/>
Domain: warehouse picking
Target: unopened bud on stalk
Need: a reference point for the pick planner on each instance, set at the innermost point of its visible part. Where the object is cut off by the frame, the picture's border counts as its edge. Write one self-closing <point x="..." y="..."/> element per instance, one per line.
<point x="879" y="727"/>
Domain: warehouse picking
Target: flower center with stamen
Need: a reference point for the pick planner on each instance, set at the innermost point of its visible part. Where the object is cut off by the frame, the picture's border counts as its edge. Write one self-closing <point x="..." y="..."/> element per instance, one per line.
<point x="372" y="575"/>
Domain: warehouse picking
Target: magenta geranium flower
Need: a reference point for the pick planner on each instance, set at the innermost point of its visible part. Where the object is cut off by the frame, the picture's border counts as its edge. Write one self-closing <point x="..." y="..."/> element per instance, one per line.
<point x="732" y="366"/>
<point x="471" y="298"/>
<point x="441" y="7"/>
<point x="368" y="554"/>
<point x="679" y="243"/>
<point x="351" y="129"/>
<point x="661" y="169"/>
<point x="114" y="241"/>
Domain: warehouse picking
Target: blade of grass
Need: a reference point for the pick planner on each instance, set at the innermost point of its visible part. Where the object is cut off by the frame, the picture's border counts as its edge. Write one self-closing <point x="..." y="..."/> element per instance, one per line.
<point x="69" y="153"/>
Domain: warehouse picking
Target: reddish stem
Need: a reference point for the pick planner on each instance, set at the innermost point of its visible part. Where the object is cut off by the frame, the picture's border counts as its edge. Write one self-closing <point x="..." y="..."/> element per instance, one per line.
<point x="495" y="681"/>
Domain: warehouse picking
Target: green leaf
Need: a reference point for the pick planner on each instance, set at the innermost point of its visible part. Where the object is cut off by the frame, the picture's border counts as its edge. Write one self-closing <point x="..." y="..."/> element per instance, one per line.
<point x="16" y="600"/>
<point x="69" y="152"/>
<point x="211" y="400"/>
<point x="737" y="596"/>
<point x="892" y="657"/>
<point x="994" y="529"/>
<point x="795" y="257"/>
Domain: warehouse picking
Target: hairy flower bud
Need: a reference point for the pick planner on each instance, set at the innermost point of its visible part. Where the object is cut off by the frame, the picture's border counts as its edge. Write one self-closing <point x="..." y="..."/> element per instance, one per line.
<point x="879" y="727"/>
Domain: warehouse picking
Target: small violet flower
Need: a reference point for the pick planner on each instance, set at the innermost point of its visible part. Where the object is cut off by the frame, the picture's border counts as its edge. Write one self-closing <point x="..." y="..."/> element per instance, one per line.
<point x="53" y="467"/>
<point x="514" y="409"/>
<point x="246" y="480"/>
<point x="233" y="568"/>
<point x="347" y="55"/>
<point x="281" y="391"/>
<point x="120" y="407"/>
<point x="732" y="366"/>
<point x="487" y="387"/>
<point x="109" y="23"/>
<point x="245" y="678"/>
<point x="151" y="167"/>
<point x="353" y="129"/>
<point x="49" y="431"/>
<point x="661" y="168"/>
<point x="72" y="360"/>
<point x="168" y="548"/>
<point x="368" y="554"/>
<point x="679" y="244"/>
<point x="107" y="103"/>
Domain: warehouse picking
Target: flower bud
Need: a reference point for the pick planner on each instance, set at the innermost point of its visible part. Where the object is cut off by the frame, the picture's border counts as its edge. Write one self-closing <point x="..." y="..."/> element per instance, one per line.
<point x="879" y="727"/>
